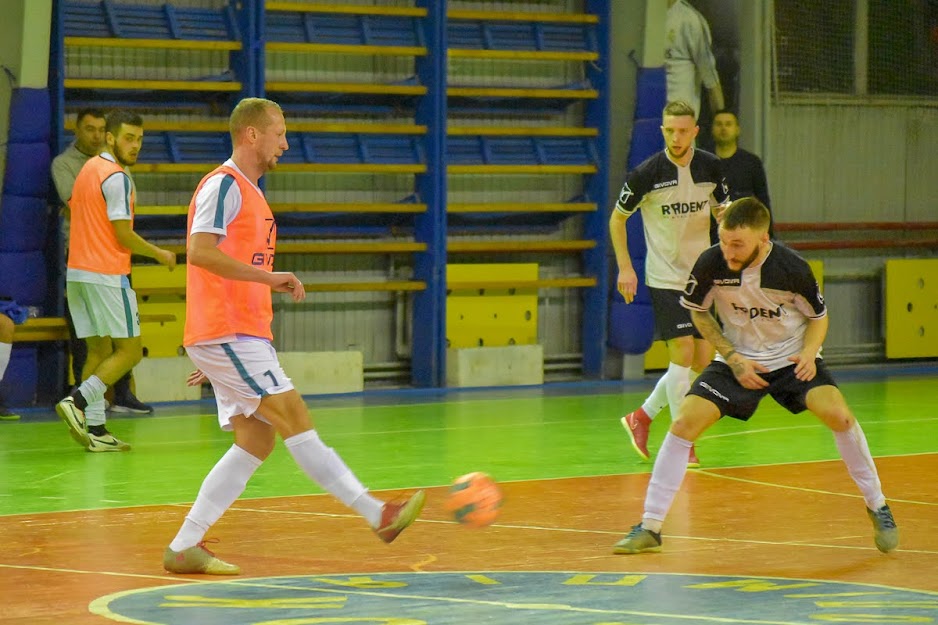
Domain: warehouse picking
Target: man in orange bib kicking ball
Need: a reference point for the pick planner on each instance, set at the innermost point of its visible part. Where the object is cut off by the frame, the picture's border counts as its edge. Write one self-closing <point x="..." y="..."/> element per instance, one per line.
<point x="230" y="255"/>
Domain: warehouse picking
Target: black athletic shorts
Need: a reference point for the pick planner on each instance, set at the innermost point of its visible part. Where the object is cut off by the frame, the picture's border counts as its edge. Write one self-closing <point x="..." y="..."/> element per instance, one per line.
<point x="718" y="384"/>
<point x="671" y="319"/>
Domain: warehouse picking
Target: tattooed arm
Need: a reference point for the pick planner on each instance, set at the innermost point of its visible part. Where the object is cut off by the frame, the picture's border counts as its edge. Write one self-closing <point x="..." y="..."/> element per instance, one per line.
<point x="745" y="370"/>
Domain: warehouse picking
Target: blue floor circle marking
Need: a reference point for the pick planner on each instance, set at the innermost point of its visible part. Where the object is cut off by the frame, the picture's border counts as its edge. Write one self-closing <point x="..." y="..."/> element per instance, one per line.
<point x="519" y="598"/>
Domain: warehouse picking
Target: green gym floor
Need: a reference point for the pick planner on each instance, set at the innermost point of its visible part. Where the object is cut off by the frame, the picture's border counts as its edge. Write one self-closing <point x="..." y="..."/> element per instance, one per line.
<point x="770" y="530"/>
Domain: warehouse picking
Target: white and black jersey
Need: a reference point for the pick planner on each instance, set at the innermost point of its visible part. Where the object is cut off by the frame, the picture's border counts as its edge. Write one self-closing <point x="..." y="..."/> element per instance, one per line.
<point x="764" y="309"/>
<point x="675" y="203"/>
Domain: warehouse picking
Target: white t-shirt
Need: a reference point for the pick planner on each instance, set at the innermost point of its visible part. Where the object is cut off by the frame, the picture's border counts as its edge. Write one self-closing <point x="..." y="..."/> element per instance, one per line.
<point x="688" y="60"/>
<point x="218" y="202"/>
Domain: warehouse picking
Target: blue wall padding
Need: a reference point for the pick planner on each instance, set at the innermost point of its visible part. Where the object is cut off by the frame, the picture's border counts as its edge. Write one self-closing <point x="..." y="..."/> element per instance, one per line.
<point x="23" y="277"/>
<point x="31" y="110"/>
<point x="22" y="223"/>
<point x="631" y="327"/>
<point x="22" y="375"/>
<point x="646" y="140"/>
<point x="28" y="169"/>
<point x="635" y="230"/>
<point x="652" y="92"/>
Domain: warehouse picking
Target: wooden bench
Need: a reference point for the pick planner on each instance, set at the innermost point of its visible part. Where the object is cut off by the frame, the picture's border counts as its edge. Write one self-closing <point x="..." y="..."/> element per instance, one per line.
<point x="42" y="329"/>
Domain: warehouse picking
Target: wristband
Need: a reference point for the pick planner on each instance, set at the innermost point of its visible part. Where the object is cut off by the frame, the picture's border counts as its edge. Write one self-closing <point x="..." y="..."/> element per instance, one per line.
<point x="729" y="355"/>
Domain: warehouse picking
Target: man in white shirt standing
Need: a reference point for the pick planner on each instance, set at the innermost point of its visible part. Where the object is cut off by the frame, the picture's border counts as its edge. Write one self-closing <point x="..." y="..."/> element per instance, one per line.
<point x="688" y="59"/>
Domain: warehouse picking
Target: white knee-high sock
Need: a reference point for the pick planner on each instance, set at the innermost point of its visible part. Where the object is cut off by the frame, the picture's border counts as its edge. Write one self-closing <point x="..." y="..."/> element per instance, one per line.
<point x="327" y="469"/>
<point x="678" y="385"/>
<point x="666" y="478"/>
<point x="221" y="487"/>
<point x="658" y="398"/>
<point x="856" y="454"/>
<point x="5" y="350"/>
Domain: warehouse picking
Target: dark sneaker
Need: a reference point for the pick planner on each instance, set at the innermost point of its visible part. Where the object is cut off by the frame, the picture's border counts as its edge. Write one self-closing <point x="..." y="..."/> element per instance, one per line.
<point x="197" y="559"/>
<point x="636" y="425"/>
<point x="396" y="517"/>
<point x="106" y="442"/>
<point x="639" y="540"/>
<point x="129" y="404"/>
<point x="8" y="415"/>
<point x="693" y="462"/>
<point x="885" y="532"/>
<point x="75" y="420"/>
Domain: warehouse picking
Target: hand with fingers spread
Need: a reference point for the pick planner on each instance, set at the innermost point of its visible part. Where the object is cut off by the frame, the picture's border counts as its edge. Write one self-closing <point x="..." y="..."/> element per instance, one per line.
<point x="747" y="371"/>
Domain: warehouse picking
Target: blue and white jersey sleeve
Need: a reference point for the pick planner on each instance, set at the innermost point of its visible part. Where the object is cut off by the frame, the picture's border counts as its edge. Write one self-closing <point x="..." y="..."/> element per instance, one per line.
<point x="118" y="190"/>
<point x="806" y="291"/>
<point x="217" y="203"/>
<point x="698" y="294"/>
<point x="637" y="185"/>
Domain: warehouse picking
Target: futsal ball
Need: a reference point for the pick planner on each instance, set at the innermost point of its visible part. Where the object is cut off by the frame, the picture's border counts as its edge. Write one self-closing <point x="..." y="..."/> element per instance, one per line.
<point x="474" y="499"/>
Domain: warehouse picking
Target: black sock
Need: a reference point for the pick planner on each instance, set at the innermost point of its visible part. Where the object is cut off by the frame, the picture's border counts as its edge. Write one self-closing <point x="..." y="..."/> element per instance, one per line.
<point x="97" y="430"/>
<point x="80" y="402"/>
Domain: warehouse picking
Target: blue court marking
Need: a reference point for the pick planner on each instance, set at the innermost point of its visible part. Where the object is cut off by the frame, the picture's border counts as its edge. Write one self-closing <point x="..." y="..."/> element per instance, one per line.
<point x="519" y="598"/>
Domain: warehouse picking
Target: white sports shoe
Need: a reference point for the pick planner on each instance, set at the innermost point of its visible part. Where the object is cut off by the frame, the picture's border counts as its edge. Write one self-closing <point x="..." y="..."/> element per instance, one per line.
<point x="74" y="419"/>
<point x="106" y="442"/>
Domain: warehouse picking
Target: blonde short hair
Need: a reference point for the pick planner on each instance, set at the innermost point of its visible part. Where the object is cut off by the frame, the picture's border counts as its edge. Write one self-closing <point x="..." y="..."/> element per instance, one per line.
<point x="679" y="108"/>
<point x="251" y="112"/>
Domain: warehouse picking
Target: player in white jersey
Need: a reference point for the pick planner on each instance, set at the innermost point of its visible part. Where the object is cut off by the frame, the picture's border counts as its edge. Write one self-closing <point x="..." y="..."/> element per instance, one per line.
<point x="677" y="191"/>
<point x="774" y="323"/>
<point x="688" y="60"/>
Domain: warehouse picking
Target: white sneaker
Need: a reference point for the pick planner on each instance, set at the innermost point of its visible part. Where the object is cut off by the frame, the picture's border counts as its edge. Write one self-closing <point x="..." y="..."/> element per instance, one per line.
<point x="106" y="442"/>
<point x="74" y="419"/>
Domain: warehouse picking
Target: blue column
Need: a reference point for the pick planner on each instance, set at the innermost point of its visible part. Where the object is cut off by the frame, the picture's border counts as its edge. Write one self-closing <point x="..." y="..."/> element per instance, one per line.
<point x="595" y="302"/>
<point x="428" y="347"/>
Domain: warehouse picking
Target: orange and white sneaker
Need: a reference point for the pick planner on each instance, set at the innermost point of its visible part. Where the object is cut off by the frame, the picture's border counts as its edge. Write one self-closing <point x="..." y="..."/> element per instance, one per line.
<point x="396" y="517"/>
<point x="636" y="425"/>
<point x="197" y="559"/>
<point x="693" y="462"/>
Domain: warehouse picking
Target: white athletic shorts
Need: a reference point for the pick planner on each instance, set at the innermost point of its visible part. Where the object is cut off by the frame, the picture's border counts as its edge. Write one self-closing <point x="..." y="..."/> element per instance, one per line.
<point x="100" y="310"/>
<point x="242" y="373"/>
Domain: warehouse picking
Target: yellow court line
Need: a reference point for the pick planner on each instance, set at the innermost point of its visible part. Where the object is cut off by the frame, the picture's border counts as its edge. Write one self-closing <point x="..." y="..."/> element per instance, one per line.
<point x="803" y="489"/>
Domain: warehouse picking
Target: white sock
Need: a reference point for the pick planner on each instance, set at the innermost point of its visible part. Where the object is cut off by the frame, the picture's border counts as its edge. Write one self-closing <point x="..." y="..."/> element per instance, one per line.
<point x="94" y="413"/>
<point x="678" y="384"/>
<point x="658" y="398"/>
<point x="327" y="469"/>
<point x="666" y="478"/>
<point x="220" y="488"/>
<point x="5" y="350"/>
<point x="856" y="454"/>
<point x="92" y="389"/>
